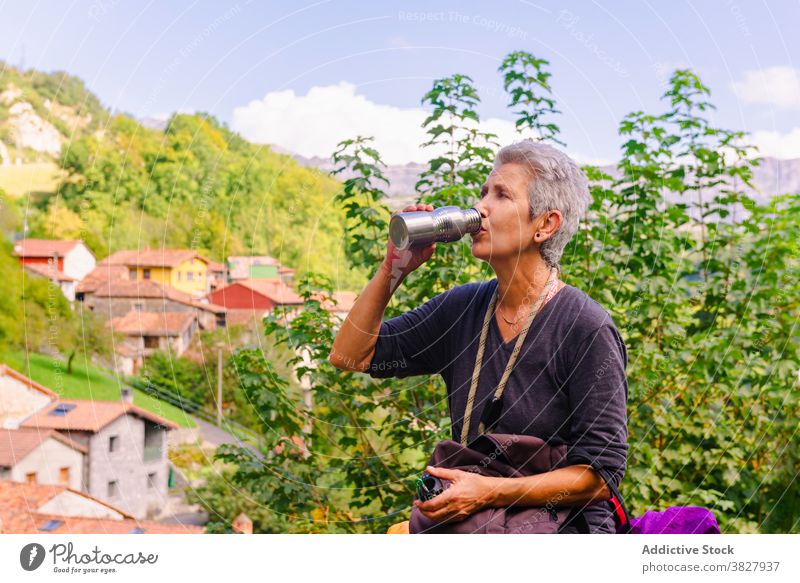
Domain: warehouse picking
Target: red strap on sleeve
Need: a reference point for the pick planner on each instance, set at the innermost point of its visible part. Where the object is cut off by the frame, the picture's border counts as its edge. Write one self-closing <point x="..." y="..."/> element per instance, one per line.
<point x="618" y="510"/>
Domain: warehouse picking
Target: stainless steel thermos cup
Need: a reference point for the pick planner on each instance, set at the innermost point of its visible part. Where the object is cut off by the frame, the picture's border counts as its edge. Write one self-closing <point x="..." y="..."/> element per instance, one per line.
<point x="420" y="228"/>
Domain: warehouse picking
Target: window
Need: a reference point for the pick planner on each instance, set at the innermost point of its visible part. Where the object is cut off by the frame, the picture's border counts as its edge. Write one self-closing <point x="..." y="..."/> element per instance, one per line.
<point x="113" y="443"/>
<point x="62" y="409"/>
<point x="138" y="307"/>
<point x="146" y="273"/>
<point x="151" y="341"/>
<point x="63" y="476"/>
<point x="190" y="276"/>
<point x="151" y="480"/>
<point x="113" y="489"/>
<point x="31" y="478"/>
<point x="132" y="273"/>
<point x="180" y="275"/>
<point x="51" y="525"/>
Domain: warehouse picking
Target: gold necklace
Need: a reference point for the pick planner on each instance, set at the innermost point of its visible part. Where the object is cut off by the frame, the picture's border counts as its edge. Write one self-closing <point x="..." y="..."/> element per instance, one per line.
<point x="510" y="323"/>
<point x="515" y="323"/>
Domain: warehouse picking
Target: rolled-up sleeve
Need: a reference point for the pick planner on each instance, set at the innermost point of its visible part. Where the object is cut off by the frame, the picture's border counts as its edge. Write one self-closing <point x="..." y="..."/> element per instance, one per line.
<point x="414" y="343"/>
<point x="598" y="396"/>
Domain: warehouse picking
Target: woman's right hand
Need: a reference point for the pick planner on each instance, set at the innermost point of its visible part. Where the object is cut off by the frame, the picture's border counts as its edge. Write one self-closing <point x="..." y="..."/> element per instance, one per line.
<point x="401" y="262"/>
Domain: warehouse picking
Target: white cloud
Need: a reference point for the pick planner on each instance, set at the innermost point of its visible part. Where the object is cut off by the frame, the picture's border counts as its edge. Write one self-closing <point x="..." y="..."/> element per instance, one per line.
<point x="399" y="41"/>
<point x="776" y="144"/>
<point x="777" y="86"/>
<point x="312" y="124"/>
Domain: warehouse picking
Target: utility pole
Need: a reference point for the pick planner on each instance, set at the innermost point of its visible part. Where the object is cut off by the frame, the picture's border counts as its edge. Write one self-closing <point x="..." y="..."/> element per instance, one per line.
<point x="219" y="386"/>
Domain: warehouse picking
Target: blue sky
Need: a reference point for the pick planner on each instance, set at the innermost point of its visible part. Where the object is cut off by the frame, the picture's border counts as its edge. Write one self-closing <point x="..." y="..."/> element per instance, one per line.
<point x="303" y="74"/>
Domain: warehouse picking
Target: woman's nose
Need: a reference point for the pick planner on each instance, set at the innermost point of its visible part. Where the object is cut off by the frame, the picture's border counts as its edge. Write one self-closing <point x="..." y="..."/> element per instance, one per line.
<point x="482" y="211"/>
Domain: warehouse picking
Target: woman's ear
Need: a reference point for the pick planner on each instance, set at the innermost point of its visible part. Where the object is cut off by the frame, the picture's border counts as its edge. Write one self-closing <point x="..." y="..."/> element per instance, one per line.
<point x="546" y="225"/>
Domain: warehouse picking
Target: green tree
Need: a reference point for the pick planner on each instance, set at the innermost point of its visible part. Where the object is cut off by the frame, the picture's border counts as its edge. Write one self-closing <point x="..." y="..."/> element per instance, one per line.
<point x="197" y="185"/>
<point x="92" y="338"/>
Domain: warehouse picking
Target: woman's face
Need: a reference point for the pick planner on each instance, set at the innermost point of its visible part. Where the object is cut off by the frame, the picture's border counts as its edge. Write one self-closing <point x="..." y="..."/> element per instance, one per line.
<point x="506" y="229"/>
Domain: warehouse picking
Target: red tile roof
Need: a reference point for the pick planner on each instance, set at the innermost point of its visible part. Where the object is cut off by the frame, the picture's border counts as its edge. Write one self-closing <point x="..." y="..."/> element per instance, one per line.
<point x="149" y="289"/>
<point x="100" y="274"/>
<point x="152" y="257"/>
<point x="90" y="416"/>
<point x="43" y="247"/>
<point x="277" y="291"/>
<point x="6" y="370"/>
<point x="139" y="289"/>
<point x="15" y="444"/>
<point x="152" y="323"/>
<point x="19" y="514"/>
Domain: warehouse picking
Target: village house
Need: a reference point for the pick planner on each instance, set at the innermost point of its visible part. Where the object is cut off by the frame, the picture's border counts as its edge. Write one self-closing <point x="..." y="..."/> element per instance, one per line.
<point x="102" y="273"/>
<point x="258" y="267"/>
<point x="70" y="258"/>
<point x="182" y="269"/>
<point x="20" y="397"/>
<point x="56" y="509"/>
<point x="249" y="300"/>
<point x="115" y="298"/>
<point x="64" y="263"/>
<point x="126" y="447"/>
<point x="256" y="294"/>
<point x="252" y="267"/>
<point x="41" y="457"/>
<point x="148" y="332"/>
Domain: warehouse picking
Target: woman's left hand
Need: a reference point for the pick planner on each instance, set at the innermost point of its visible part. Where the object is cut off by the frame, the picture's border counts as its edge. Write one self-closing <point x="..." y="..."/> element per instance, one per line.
<point x="468" y="493"/>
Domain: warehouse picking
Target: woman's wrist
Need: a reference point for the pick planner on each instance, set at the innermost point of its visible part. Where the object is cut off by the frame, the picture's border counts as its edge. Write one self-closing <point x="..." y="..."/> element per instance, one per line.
<point x="385" y="268"/>
<point x="391" y="276"/>
<point x="496" y="492"/>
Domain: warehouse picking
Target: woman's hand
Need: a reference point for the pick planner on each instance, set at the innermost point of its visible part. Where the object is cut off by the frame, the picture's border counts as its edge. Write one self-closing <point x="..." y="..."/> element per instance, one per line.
<point x="468" y="493"/>
<point x="401" y="262"/>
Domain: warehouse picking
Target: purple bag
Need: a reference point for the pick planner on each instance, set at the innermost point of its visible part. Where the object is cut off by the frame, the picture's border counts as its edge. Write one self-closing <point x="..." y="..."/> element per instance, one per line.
<point x="676" y="520"/>
<point x="673" y="520"/>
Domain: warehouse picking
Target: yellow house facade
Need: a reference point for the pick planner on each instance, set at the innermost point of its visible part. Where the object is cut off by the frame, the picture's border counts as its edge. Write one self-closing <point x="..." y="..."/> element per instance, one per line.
<point x="189" y="276"/>
<point x="182" y="269"/>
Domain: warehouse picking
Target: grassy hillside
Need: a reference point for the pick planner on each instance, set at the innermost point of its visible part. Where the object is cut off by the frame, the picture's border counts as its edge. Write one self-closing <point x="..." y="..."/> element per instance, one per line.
<point x="86" y="382"/>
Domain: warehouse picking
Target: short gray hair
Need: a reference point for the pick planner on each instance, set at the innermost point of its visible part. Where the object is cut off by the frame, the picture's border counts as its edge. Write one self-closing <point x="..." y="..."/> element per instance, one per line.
<point x="556" y="182"/>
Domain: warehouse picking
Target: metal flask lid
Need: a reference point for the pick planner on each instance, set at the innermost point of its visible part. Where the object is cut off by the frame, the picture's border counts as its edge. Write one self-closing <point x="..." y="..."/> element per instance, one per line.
<point x="442" y="225"/>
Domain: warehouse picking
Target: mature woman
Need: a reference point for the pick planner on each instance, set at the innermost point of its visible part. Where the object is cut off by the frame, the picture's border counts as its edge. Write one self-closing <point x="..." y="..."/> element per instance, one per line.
<point x="568" y="384"/>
